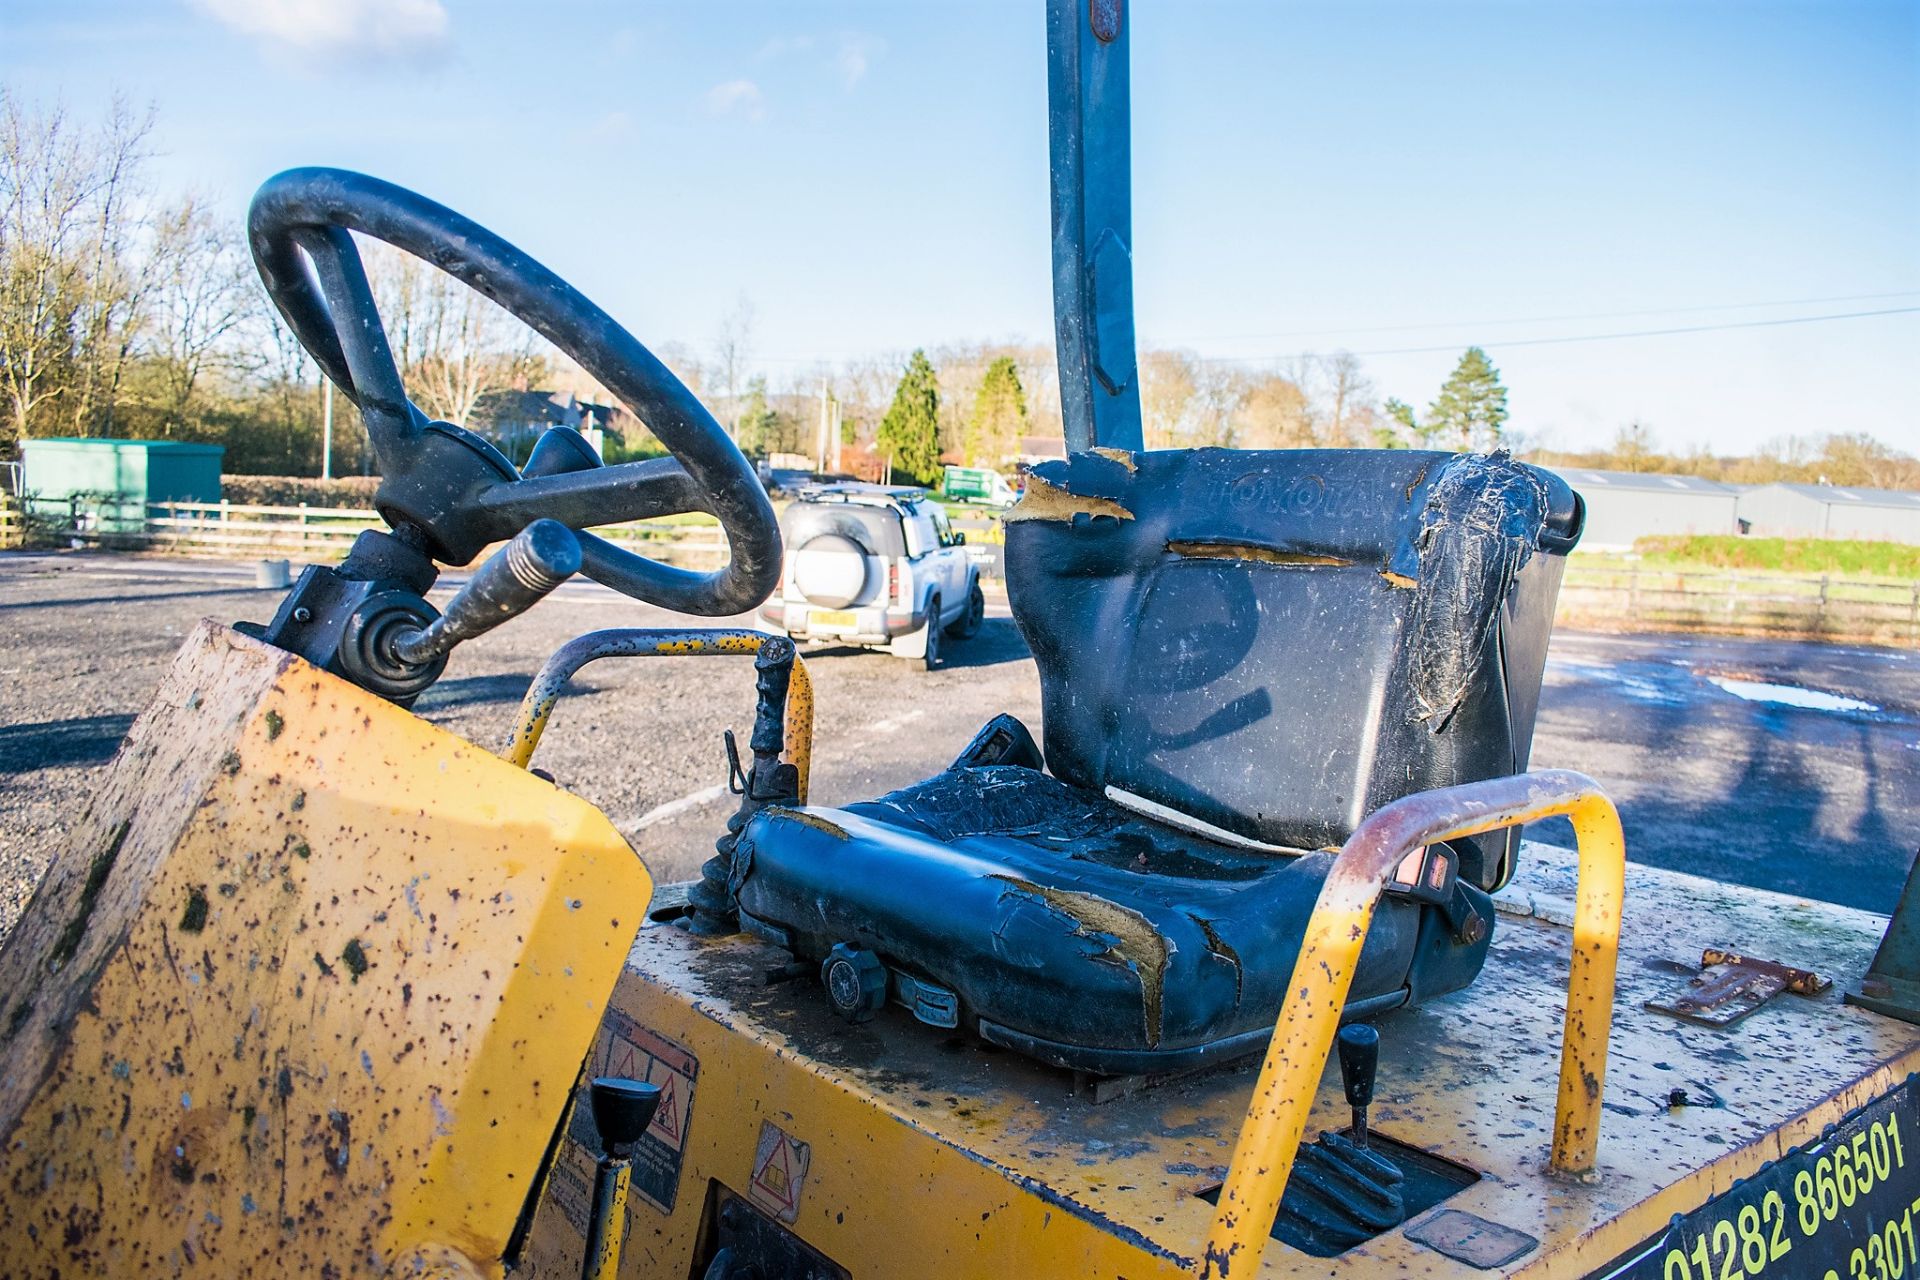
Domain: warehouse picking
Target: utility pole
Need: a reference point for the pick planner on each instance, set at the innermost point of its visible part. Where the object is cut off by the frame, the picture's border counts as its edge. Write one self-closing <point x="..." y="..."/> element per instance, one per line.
<point x="326" y="427"/>
<point x="833" y="440"/>
<point x="826" y="420"/>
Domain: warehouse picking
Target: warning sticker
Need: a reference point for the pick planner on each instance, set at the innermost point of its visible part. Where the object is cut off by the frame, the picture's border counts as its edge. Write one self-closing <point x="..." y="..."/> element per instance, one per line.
<point x="630" y="1050"/>
<point x="779" y="1172"/>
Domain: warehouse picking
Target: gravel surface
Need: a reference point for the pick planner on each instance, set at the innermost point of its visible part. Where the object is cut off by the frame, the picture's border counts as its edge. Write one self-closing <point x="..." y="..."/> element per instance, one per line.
<point x="85" y="638"/>
<point x="1816" y="800"/>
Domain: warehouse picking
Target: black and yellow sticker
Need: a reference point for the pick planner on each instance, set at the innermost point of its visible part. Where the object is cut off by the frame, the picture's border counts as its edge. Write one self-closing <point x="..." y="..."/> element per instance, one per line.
<point x="1845" y="1207"/>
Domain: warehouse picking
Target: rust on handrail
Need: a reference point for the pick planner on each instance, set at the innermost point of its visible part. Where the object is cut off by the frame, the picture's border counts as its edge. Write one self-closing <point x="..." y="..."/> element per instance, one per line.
<point x="536" y="710"/>
<point x="1297" y="1055"/>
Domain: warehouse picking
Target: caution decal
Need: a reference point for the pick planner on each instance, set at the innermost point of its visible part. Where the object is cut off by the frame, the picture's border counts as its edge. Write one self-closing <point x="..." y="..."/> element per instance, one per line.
<point x="631" y="1051"/>
<point x="779" y="1172"/>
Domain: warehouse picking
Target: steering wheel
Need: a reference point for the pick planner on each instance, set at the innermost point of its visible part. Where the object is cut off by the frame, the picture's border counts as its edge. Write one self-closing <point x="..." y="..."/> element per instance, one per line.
<point x="451" y="488"/>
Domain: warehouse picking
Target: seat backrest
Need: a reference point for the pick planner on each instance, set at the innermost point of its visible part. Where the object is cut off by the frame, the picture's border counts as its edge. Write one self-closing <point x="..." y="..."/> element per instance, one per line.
<point x="1280" y="642"/>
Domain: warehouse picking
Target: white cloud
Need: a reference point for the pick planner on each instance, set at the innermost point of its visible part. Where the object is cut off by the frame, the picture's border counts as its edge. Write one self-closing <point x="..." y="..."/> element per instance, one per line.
<point x="857" y="53"/>
<point x="344" y="30"/>
<point x="737" y="97"/>
<point x="781" y="46"/>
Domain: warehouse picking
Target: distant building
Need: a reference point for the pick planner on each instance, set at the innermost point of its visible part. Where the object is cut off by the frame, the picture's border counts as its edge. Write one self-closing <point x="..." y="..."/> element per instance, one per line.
<point x="106" y="486"/>
<point x="1041" y="449"/>
<point x="513" y="420"/>
<point x="1623" y="506"/>
<point x="1830" y="511"/>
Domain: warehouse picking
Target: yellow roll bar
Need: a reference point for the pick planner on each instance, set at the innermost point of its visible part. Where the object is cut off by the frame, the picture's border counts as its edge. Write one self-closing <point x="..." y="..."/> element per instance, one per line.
<point x="643" y="642"/>
<point x="1297" y="1056"/>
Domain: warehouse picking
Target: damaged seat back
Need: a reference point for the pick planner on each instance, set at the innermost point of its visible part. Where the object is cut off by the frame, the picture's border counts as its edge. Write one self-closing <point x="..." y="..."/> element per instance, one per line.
<point x="1233" y="648"/>
<point x="1277" y="643"/>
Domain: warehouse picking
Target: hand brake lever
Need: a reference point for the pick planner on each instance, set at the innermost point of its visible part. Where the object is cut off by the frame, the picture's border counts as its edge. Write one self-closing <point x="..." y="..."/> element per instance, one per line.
<point x="518" y="576"/>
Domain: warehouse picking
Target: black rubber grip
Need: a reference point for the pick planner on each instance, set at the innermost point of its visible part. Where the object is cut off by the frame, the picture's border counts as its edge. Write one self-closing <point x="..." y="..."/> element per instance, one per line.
<point x="1359" y="1046"/>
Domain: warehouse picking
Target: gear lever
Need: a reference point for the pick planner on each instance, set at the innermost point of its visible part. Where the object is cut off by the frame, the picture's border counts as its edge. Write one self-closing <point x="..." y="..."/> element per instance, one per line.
<point x="1359" y="1046"/>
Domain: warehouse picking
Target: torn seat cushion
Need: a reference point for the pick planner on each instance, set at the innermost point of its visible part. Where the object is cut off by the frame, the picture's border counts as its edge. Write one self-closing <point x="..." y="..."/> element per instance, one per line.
<point x="1071" y="929"/>
<point x="1280" y="642"/>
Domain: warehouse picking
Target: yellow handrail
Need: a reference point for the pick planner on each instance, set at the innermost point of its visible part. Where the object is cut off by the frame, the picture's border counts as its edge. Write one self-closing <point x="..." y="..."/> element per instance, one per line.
<point x="1297" y="1056"/>
<point x="641" y="642"/>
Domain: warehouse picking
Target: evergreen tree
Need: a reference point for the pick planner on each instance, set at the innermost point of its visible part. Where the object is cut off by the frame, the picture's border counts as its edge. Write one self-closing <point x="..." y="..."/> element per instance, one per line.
<point x="909" y="435"/>
<point x="999" y="414"/>
<point x="1472" y="407"/>
<point x="758" y="423"/>
<point x="1400" y="429"/>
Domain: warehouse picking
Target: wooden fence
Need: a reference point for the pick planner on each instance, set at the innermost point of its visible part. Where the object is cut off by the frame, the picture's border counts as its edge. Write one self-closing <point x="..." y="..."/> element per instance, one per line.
<point x="1628" y="598"/>
<point x="314" y="534"/>
<point x="1737" y="602"/>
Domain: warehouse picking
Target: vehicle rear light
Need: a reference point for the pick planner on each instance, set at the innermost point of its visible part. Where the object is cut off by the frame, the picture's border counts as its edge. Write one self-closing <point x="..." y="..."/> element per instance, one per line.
<point x="893" y="583"/>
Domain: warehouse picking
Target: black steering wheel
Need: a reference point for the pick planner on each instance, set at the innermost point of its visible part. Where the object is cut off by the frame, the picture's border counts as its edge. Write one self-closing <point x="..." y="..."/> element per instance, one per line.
<point x="448" y="486"/>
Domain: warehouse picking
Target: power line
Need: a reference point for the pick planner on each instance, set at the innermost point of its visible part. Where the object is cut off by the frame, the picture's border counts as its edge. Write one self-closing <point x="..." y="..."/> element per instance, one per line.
<point x="1585" y="337"/>
<point x="1590" y="315"/>
<point x="831" y="357"/>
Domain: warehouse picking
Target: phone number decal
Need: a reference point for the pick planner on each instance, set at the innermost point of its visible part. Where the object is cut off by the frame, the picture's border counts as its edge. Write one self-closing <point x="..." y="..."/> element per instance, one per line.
<point x="1841" y="1208"/>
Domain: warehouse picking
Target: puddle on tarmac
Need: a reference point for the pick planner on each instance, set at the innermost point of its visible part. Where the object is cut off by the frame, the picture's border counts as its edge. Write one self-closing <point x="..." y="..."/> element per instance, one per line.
<point x="1789" y="695"/>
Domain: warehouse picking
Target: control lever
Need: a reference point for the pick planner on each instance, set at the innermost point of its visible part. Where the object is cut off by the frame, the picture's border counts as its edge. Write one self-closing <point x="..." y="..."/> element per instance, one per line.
<point x="622" y="1110"/>
<point x="521" y="574"/>
<point x="1344" y="1192"/>
<point x="1359" y="1045"/>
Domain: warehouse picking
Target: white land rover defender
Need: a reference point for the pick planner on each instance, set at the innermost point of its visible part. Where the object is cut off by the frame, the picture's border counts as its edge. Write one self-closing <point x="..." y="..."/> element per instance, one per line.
<point x="878" y="566"/>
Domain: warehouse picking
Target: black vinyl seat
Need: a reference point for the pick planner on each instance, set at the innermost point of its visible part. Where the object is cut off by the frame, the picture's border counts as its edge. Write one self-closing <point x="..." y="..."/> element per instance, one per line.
<point x="1241" y="654"/>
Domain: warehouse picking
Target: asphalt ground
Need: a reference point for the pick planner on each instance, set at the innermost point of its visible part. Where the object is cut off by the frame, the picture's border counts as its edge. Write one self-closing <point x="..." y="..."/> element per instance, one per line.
<point x="1717" y="769"/>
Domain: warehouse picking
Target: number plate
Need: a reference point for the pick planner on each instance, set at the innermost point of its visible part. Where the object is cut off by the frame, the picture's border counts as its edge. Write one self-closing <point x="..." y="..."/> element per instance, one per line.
<point x="838" y="619"/>
<point x="1846" y="1207"/>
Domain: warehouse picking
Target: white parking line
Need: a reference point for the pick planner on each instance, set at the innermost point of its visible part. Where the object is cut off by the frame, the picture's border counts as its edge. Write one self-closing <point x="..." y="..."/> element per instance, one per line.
<point x="894" y="722"/>
<point x="673" y="808"/>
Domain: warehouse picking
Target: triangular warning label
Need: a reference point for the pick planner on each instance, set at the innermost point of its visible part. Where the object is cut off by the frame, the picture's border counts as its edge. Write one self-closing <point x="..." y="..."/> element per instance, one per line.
<point x="621" y="1060"/>
<point x="667" y="1118"/>
<point x="774" y="1178"/>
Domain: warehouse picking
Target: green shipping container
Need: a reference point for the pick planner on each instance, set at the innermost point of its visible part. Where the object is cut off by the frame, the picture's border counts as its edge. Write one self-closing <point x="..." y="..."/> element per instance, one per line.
<point x="106" y="486"/>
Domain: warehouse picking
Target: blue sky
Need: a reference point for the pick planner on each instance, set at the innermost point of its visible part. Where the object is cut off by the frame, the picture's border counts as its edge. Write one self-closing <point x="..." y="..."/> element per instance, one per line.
<point x="1307" y="176"/>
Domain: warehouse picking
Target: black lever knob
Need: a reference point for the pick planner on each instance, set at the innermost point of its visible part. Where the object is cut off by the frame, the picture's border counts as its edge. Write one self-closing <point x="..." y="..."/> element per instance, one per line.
<point x="521" y="574"/>
<point x="622" y="1110"/>
<point x="1359" y="1046"/>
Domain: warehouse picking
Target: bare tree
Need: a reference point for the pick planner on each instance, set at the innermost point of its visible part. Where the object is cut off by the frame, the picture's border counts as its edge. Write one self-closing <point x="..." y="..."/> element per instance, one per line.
<point x="452" y="344"/>
<point x="1856" y="458"/>
<point x="1272" y="412"/>
<point x="733" y="350"/>
<point x="1168" y="385"/>
<point x="1351" y="393"/>
<point x="64" y="216"/>
<point x="201" y="293"/>
<point x="864" y="389"/>
<point x="686" y="365"/>
<point x="1634" y="448"/>
<point x="116" y="282"/>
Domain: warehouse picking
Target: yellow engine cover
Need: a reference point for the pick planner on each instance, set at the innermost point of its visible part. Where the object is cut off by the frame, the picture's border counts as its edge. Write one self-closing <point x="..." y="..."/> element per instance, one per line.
<point x="306" y="992"/>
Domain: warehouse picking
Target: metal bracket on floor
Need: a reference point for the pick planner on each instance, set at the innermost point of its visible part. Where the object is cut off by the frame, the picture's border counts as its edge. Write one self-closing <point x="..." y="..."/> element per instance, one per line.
<point x="1731" y="986"/>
